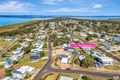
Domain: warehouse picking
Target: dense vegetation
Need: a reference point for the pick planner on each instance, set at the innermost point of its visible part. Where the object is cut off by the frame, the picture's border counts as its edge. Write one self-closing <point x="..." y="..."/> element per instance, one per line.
<point x="94" y="25"/>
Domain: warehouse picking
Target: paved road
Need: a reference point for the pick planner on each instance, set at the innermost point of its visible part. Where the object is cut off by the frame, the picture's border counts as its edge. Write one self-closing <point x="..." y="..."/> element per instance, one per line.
<point x="47" y="68"/>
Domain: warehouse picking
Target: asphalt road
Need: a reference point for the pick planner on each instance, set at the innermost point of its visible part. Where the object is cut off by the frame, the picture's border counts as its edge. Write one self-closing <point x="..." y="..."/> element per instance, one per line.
<point x="47" y="68"/>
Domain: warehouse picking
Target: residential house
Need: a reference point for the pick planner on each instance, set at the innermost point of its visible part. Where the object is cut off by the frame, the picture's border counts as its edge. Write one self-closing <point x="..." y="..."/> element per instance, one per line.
<point x="67" y="35"/>
<point x="75" y="52"/>
<point x="116" y="39"/>
<point x="101" y="58"/>
<point x="23" y="71"/>
<point x="64" y="58"/>
<point x="9" y="38"/>
<point x="81" y="57"/>
<point x="108" y="46"/>
<point x="65" y="78"/>
<point x="34" y="58"/>
<point x="15" y="57"/>
<point x="18" y="50"/>
<point x="11" y="78"/>
<point x="8" y="63"/>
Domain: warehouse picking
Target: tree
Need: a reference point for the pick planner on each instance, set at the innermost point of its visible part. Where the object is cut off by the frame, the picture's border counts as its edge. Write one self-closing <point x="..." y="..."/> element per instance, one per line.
<point x="45" y="45"/>
<point x="42" y="53"/>
<point x="27" y="49"/>
<point x="55" y="43"/>
<point x="85" y="78"/>
<point x="88" y="62"/>
<point x="3" y="55"/>
<point x="8" y="72"/>
<point x="15" y="62"/>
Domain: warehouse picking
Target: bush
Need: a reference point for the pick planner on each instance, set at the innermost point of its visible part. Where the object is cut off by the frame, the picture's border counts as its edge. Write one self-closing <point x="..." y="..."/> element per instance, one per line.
<point x="85" y="78"/>
<point x="42" y="53"/>
<point x="8" y="72"/>
<point x="15" y="62"/>
<point x="88" y="62"/>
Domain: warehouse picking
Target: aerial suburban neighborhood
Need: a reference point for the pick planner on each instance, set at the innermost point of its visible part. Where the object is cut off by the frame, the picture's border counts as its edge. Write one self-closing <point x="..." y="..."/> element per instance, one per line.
<point x="42" y="50"/>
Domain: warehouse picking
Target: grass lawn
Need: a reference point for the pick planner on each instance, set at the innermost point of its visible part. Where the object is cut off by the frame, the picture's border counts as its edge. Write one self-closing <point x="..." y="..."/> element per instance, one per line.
<point x="113" y="67"/>
<point x="24" y="61"/>
<point x="51" y="76"/>
<point x="5" y="44"/>
<point x="2" y="59"/>
<point x="55" y="76"/>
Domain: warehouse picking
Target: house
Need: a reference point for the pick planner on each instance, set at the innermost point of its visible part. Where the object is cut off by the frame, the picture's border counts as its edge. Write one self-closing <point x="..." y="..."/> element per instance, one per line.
<point x="36" y="52"/>
<point x="52" y="25"/>
<point x="75" y="52"/>
<point x="34" y="58"/>
<point x="81" y="57"/>
<point x="11" y="78"/>
<point x="23" y="71"/>
<point x="101" y="58"/>
<point x="18" y="51"/>
<point x="9" y="38"/>
<point x="8" y="63"/>
<point x="75" y="39"/>
<point x="28" y="39"/>
<point x="67" y="35"/>
<point x="24" y="44"/>
<point x="83" y="34"/>
<point x="101" y="40"/>
<point x="67" y="48"/>
<point x="108" y="47"/>
<point x="116" y="39"/>
<point x="64" y="58"/>
<point x="2" y="72"/>
<point x="65" y="78"/>
<point x="15" y="57"/>
<point x="64" y="45"/>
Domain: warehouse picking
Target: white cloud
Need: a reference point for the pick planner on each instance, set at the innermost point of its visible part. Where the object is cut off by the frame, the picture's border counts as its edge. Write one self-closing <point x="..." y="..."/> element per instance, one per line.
<point x="15" y="7"/>
<point x="67" y="10"/>
<point x="96" y="6"/>
<point x="51" y="1"/>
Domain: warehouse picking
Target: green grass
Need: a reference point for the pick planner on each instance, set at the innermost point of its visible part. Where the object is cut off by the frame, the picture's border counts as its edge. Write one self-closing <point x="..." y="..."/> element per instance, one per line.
<point x="24" y="61"/>
<point x="113" y="67"/>
<point x="4" y="44"/>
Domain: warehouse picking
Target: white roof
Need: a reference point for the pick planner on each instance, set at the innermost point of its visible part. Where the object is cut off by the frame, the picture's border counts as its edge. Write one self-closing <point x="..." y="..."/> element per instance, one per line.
<point x="25" y="69"/>
<point x="30" y="69"/>
<point x="64" y="60"/>
<point x="65" y="78"/>
<point x="106" y="59"/>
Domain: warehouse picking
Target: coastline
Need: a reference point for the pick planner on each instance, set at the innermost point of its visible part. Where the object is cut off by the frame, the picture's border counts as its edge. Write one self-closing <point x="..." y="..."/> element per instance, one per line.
<point x="15" y="26"/>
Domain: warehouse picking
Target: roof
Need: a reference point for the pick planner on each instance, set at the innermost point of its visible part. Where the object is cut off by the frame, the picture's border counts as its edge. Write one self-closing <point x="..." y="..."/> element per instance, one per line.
<point x="106" y="59"/>
<point x="11" y="78"/>
<point x="64" y="60"/>
<point x="65" y="78"/>
<point x="74" y="52"/>
<point x="67" y="48"/>
<point x="2" y="72"/>
<point x="81" y="57"/>
<point x="17" y="72"/>
<point x="34" y="57"/>
<point x="25" y="69"/>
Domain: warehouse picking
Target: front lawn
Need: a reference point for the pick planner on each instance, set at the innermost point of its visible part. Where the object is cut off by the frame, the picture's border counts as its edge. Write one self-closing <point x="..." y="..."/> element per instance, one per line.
<point x="25" y="61"/>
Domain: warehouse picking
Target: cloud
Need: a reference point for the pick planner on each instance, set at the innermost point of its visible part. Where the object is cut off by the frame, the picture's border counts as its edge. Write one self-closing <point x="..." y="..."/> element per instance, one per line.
<point x="51" y="1"/>
<point x="15" y="7"/>
<point x="67" y="10"/>
<point x="96" y="6"/>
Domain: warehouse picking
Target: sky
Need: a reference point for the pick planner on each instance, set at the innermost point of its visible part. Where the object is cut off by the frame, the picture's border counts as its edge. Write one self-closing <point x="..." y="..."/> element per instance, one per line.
<point x="60" y="7"/>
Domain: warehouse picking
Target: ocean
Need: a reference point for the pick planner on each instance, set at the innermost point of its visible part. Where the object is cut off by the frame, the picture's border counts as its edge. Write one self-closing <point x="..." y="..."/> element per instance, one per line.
<point x="8" y="20"/>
